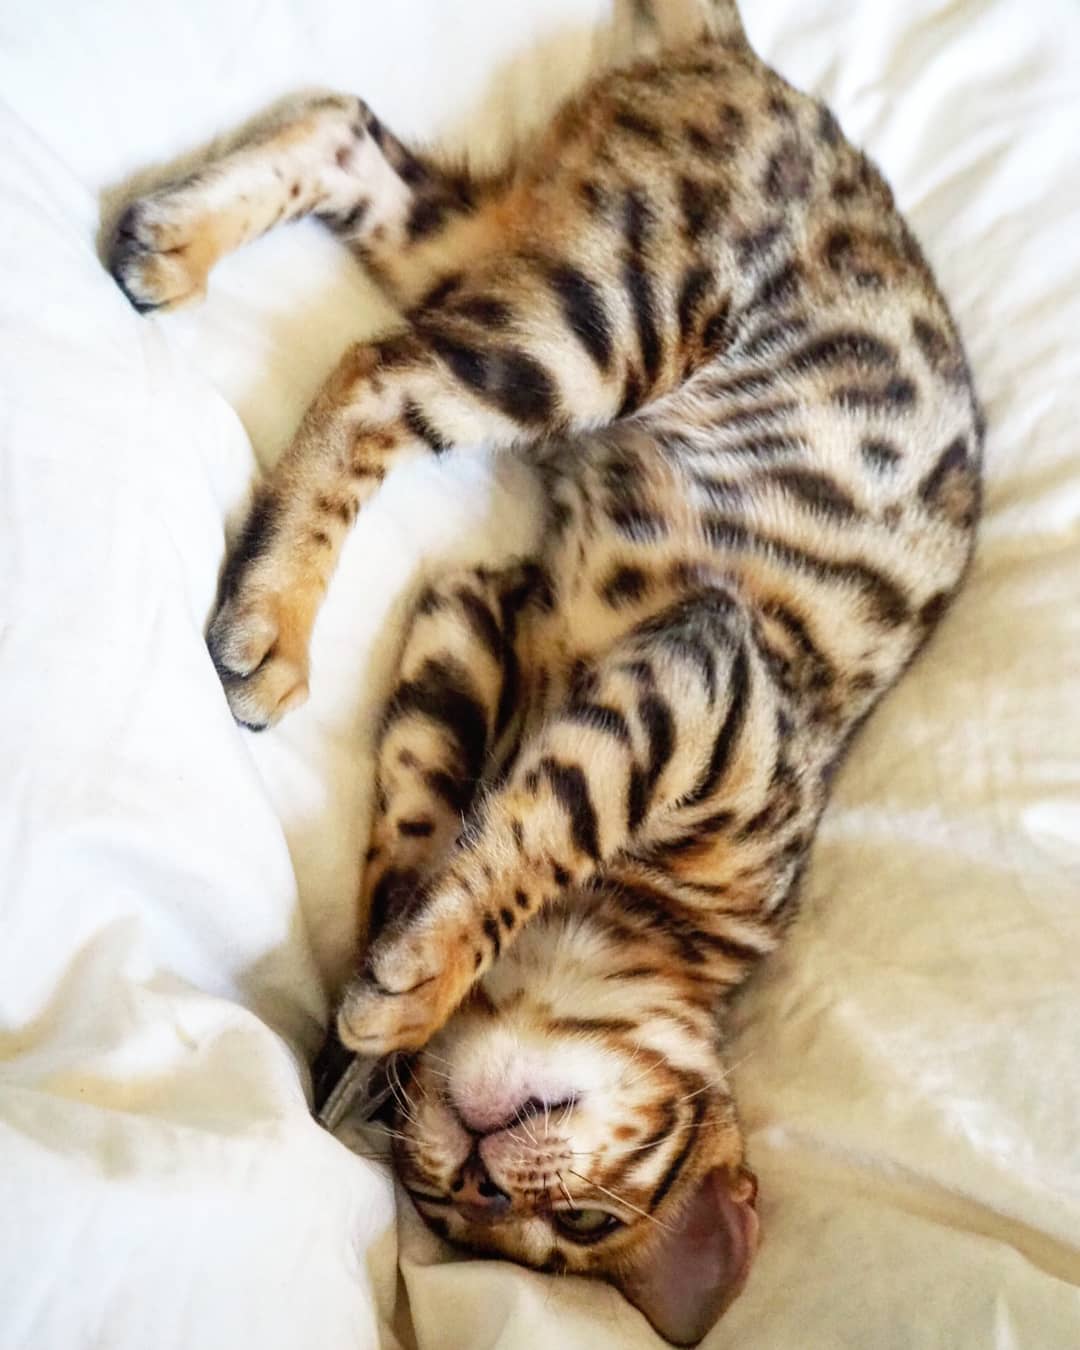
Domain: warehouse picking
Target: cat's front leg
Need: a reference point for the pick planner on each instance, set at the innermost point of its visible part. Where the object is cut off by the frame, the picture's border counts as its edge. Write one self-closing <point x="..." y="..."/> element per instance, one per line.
<point x="519" y="858"/>
<point x="279" y="566"/>
<point x="418" y="392"/>
<point x="676" y="730"/>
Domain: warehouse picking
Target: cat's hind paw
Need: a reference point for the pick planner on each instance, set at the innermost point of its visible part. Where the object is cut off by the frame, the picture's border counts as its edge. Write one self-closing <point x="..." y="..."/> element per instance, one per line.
<point x="159" y="257"/>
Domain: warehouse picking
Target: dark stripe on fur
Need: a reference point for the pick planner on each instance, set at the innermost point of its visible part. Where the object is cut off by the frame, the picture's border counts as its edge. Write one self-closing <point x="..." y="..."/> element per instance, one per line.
<point x="756" y="414"/>
<point x="885" y="597"/>
<point x="643" y="305"/>
<point x="762" y="447"/>
<point x="724" y="745"/>
<point x="441" y="694"/>
<point x="625" y="585"/>
<point x="779" y="287"/>
<point x="954" y="456"/>
<point x="701" y="205"/>
<point x="659" y="723"/>
<point x="835" y="349"/>
<point x="491" y="929"/>
<point x="516" y="383"/>
<point x="640" y="127"/>
<point x="598" y="717"/>
<point x="427" y="217"/>
<point x="420" y="426"/>
<point x="416" y="829"/>
<point x="482" y="622"/>
<point x="815" y="490"/>
<point x="583" y="309"/>
<point x="255" y="539"/>
<point x="694" y="287"/>
<point x="484" y="310"/>
<point x="796" y="629"/>
<point x="672" y="1174"/>
<point x="571" y="789"/>
<point x="764" y="341"/>
<point x="589" y="1026"/>
<point x="636" y="803"/>
<point x="882" y="456"/>
<point x="637" y="221"/>
<point x="896" y="396"/>
<point x="638" y="523"/>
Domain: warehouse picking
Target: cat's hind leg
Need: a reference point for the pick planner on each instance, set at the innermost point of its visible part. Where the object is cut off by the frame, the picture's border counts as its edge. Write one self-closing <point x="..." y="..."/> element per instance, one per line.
<point x="329" y="157"/>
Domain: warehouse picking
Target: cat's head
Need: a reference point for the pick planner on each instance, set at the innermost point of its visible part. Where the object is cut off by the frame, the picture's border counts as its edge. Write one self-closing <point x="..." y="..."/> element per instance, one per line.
<point x="573" y="1116"/>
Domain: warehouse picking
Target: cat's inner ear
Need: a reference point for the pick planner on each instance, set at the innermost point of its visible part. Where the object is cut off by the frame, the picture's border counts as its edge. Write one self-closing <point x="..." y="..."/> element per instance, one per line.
<point x="700" y="1267"/>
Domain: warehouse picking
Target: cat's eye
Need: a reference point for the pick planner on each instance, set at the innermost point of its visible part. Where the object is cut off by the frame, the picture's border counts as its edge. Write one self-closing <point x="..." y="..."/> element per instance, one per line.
<point x="585" y="1225"/>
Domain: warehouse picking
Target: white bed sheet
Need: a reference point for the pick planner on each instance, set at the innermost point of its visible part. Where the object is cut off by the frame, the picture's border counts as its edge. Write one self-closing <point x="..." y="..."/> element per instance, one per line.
<point x="175" y="902"/>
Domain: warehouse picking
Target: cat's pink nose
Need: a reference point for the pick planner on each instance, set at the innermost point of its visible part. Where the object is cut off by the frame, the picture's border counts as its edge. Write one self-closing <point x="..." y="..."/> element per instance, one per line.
<point x="494" y="1112"/>
<point x="476" y="1195"/>
<point x="489" y="1109"/>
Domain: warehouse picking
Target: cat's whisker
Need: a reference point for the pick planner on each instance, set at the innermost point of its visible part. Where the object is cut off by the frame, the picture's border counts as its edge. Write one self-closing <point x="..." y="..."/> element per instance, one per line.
<point x="403" y="1106"/>
<point x="439" y="1059"/>
<point x="377" y="1128"/>
<point x="730" y="1068"/>
<point x="648" y="1069"/>
<point x="562" y="1186"/>
<point x="705" y="1087"/>
<point x="519" y="1118"/>
<point x="393" y="1077"/>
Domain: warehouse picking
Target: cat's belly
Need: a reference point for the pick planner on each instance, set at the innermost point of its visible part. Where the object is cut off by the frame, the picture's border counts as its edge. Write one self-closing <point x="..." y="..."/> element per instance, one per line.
<point x="846" y="545"/>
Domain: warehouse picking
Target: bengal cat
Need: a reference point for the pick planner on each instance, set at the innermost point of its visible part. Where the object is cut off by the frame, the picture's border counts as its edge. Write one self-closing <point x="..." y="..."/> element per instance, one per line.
<point x="694" y="308"/>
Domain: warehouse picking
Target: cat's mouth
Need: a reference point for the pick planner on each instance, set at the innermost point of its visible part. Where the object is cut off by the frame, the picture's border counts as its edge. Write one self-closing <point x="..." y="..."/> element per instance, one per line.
<point x="478" y="1199"/>
<point x="476" y="1196"/>
<point x="504" y="1154"/>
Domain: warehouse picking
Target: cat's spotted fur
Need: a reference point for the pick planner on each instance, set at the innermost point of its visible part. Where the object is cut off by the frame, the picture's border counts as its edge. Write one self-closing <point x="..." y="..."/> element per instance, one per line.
<point x="696" y="310"/>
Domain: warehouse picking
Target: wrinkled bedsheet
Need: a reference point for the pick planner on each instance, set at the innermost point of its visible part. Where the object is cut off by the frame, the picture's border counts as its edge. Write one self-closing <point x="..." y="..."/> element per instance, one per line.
<point x="176" y="896"/>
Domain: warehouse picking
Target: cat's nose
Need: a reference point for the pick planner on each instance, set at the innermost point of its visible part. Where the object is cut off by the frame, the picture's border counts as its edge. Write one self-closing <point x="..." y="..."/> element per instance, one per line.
<point x="475" y="1194"/>
<point x="493" y="1112"/>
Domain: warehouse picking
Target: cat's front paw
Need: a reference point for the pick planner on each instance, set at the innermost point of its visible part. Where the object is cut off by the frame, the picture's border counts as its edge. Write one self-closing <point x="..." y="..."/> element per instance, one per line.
<point x="258" y="641"/>
<point x="409" y="987"/>
<point x="161" y="253"/>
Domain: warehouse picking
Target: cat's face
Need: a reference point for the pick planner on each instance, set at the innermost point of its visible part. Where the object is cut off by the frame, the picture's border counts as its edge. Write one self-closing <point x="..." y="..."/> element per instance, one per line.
<point x="576" y="1122"/>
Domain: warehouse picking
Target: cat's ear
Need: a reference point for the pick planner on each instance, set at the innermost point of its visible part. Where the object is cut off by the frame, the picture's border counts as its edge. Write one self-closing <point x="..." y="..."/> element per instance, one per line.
<point x="700" y="1267"/>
